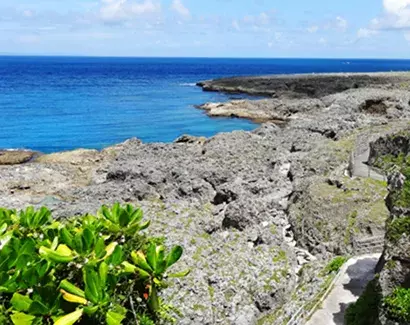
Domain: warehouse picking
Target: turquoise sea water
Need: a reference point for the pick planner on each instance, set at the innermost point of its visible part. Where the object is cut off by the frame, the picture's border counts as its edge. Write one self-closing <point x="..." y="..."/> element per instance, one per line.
<point x="58" y="103"/>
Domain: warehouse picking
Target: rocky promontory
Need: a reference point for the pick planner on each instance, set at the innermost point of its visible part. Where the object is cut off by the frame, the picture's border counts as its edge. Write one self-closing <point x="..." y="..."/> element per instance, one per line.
<point x="260" y="214"/>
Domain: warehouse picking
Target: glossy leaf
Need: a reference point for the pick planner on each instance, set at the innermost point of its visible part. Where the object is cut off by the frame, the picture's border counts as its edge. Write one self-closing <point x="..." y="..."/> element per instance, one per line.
<point x="70" y="319"/>
<point x="71" y="288"/>
<point x="20" y="302"/>
<point x="22" y="319"/>
<point x="113" y="318"/>
<point x="93" y="289"/>
<point x="38" y="308"/>
<point x="180" y="274"/>
<point x="73" y="298"/>
<point x="174" y="255"/>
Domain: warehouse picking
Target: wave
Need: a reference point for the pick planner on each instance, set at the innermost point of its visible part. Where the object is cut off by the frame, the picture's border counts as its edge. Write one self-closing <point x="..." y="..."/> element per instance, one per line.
<point x="14" y="149"/>
<point x="188" y="84"/>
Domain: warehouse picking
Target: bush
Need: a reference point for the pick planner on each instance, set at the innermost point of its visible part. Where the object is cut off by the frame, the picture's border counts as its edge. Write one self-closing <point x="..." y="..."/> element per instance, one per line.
<point x="335" y="264"/>
<point x="397" y="305"/>
<point x="90" y="270"/>
<point x="365" y="310"/>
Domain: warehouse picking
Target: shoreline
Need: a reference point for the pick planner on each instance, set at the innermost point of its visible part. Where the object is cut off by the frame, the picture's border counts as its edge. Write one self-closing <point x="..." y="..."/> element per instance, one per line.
<point x="258" y="110"/>
<point x="278" y="199"/>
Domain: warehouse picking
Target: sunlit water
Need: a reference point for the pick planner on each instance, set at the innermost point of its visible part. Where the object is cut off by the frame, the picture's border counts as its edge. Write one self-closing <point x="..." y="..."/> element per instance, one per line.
<point x="58" y="103"/>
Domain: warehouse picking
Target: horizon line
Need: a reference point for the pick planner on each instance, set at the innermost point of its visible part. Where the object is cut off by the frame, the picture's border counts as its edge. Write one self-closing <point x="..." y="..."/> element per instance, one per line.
<point x="195" y="57"/>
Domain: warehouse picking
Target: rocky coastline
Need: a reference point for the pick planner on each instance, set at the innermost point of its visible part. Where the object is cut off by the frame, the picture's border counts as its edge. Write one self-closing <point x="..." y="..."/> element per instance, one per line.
<point x="261" y="213"/>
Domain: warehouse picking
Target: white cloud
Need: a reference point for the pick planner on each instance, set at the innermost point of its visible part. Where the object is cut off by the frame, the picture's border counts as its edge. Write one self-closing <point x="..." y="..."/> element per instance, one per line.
<point x="396" y="6"/>
<point x="313" y="29"/>
<point x="28" y="39"/>
<point x="264" y="18"/>
<point x="366" y="33"/>
<point x="407" y="36"/>
<point x="341" y="23"/>
<point x="235" y="25"/>
<point x="28" y="13"/>
<point x="396" y="16"/>
<point x="179" y="8"/>
<point x="121" y="10"/>
<point x="322" y="41"/>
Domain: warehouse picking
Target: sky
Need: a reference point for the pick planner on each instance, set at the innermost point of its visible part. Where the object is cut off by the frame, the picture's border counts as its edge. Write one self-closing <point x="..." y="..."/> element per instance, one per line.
<point x="207" y="28"/>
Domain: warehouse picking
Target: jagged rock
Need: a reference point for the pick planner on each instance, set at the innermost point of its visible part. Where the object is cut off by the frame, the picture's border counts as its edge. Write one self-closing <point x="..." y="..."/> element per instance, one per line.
<point x="15" y="157"/>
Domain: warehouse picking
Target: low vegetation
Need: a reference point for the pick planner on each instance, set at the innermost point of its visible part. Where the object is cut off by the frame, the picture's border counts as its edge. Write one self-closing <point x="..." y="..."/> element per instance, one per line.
<point x="397" y="305"/>
<point x="98" y="269"/>
<point x="335" y="264"/>
<point x="365" y="310"/>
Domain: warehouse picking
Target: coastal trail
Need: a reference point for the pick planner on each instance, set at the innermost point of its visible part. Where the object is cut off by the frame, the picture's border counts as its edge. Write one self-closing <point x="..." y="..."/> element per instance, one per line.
<point x="349" y="284"/>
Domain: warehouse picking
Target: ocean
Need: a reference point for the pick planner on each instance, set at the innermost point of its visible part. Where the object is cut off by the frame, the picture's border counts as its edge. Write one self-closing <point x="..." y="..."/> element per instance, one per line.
<point x="52" y="104"/>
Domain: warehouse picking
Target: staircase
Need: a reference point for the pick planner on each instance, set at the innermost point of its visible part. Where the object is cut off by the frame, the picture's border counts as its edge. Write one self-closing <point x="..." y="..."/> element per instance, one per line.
<point x="368" y="245"/>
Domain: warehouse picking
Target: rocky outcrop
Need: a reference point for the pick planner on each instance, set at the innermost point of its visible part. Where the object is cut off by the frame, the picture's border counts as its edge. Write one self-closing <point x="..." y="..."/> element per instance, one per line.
<point x="310" y="85"/>
<point x="15" y="157"/>
<point x="391" y="155"/>
<point x="258" y="213"/>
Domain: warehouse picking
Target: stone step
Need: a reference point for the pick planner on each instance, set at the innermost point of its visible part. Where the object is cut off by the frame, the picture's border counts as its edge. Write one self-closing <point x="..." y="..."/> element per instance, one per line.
<point x="370" y="239"/>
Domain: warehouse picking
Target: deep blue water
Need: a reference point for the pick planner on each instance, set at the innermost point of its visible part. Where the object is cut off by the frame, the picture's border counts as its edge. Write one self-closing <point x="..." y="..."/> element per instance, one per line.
<point x="59" y="103"/>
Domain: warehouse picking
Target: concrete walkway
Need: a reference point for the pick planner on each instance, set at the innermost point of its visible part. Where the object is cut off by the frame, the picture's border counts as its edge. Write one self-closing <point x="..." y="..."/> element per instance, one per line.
<point x="361" y="169"/>
<point x="350" y="283"/>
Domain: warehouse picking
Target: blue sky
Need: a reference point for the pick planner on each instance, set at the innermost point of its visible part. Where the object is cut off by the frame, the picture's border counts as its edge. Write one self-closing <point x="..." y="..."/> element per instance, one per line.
<point x="207" y="28"/>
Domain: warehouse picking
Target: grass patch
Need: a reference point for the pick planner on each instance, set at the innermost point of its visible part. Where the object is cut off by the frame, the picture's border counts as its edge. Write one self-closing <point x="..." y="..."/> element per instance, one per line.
<point x="335" y="265"/>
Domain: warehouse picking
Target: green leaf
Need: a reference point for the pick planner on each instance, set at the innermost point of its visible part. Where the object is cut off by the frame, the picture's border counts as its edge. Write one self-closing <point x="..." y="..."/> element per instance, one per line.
<point x="38" y="308"/>
<point x="54" y="244"/>
<point x="91" y="310"/>
<point x="100" y="248"/>
<point x="174" y="255"/>
<point x="117" y="256"/>
<point x="153" y="300"/>
<point x="78" y="243"/>
<point x="114" y="318"/>
<point x="152" y="256"/>
<point x="93" y="290"/>
<point x="88" y="240"/>
<point x="124" y="219"/>
<point x="139" y="259"/>
<point x="3" y="228"/>
<point x="20" y="302"/>
<point x="28" y="247"/>
<point x="54" y="256"/>
<point x="115" y="213"/>
<point x="128" y="267"/>
<point x="42" y="268"/>
<point x="22" y="319"/>
<point x="4" y="239"/>
<point x="66" y="237"/>
<point x="145" y="225"/>
<point x="103" y="273"/>
<point x="137" y="215"/>
<point x="180" y="274"/>
<point x="143" y="275"/>
<point x="70" y="319"/>
<point x="71" y="288"/>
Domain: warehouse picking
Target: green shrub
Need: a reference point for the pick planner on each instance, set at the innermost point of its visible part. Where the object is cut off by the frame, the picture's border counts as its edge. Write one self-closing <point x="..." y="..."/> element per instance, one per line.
<point x="365" y="310"/>
<point x="397" y="305"/>
<point x="91" y="270"/>
<point x="397" y="228"/>
<point x="335" y="264"/>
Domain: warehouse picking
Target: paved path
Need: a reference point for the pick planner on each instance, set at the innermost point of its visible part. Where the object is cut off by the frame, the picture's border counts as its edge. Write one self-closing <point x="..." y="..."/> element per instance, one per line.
<point x="351" y="281"/>
<point x="361" y="169"/>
